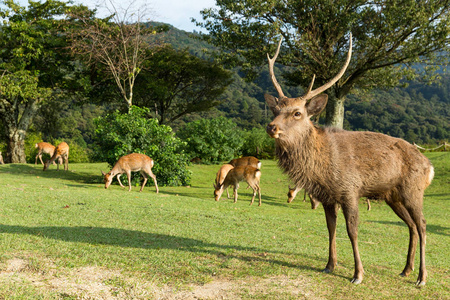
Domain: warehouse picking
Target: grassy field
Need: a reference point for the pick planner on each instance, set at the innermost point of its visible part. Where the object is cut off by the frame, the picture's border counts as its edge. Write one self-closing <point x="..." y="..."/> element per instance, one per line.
<point x="63" y="236"/>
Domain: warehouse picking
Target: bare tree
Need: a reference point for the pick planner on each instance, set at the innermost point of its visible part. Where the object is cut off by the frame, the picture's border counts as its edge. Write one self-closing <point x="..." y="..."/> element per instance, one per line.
<point x="120" y="42"/>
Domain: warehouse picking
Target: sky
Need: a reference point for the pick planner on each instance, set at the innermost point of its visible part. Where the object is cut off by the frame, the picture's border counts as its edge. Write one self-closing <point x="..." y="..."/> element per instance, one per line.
<point x="174" y="12"/>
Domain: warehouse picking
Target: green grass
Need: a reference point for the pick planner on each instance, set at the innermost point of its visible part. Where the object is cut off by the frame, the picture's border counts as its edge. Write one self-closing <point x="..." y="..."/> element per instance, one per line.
<point x="63" y="236"/>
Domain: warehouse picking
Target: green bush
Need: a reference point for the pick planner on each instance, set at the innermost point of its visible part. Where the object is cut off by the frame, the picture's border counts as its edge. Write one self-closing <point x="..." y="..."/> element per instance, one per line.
<point x="212" y="140"/>
<point x="120" y="134"/>
<point x="258" y="143"/>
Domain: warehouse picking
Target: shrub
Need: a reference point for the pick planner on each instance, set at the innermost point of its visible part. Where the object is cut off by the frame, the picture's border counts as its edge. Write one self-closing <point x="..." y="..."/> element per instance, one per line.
<point x="212" y="140"/>
<point x="258" y="143"/>
<point x="120" y="134"/>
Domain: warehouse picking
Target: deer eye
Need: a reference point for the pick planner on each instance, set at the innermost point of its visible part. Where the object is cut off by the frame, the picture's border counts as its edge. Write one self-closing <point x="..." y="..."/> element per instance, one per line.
<point x="297" y="114"/>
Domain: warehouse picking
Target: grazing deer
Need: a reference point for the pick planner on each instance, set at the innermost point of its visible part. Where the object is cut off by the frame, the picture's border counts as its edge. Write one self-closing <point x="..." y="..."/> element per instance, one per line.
<point x="221" y="174"/>
<point x="246" y="161"/>
<point x="61" y="152"/>
<point x="293" y="192"/>
<point x="131" y="163"/>
<point x="47" y="148"/>
<point x="314" y="203"/>
<point x="249" y="174"/>
<point x="337" y="167"/>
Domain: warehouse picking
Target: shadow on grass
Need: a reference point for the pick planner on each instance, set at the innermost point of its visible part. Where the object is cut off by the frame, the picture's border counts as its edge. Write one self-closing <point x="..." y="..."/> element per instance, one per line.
<point x="145" y="240"/>
<point x="208" y="194"/>
<point x="52" y="172"/>
<point x="435" y="229"/>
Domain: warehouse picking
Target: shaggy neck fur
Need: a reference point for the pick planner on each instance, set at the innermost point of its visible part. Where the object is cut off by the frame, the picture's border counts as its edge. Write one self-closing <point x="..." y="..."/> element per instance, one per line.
<point x="307" y="160"/>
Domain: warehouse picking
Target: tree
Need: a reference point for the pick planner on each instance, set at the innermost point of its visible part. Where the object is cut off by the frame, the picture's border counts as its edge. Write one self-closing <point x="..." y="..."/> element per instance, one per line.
<point x="390" y="38"/>
<point x="33" y="65"/>
<point x="119" y="43"/>
<point x="177" y="83"/>
<point x="212" y="140"/>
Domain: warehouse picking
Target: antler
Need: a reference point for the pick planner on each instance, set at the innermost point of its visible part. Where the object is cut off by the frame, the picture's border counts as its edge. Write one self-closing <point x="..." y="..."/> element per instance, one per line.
<point x="272" y="74"/>
<point x="311" y="94"/>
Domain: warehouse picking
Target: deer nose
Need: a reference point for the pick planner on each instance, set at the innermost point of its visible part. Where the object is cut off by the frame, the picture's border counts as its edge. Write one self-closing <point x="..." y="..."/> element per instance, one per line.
<point x="271" y="129"/>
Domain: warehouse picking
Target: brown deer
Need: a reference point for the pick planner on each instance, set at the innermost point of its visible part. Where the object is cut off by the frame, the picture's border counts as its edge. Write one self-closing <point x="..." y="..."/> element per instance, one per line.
<point x="293" y="192"/>
<point x="246" y="161"/>
<point x="47" y="148"/>
<point x="221" y="174"/>
<point x="131" y="163"/>
<point x="61" y="153"/>
<point x="249" y="174"/>
<point x="337" y="167"/>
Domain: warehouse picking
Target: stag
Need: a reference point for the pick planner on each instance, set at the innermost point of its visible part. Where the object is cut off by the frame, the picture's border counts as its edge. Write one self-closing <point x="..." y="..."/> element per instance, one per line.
<point x="337" y="167"/>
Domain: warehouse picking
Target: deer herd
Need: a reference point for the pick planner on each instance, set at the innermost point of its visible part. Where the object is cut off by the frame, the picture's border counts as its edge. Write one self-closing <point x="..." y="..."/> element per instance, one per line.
<point x="334" y="167"/>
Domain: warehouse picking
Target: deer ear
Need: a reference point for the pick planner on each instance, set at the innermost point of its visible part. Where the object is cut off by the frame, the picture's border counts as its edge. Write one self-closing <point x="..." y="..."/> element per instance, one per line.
<point x="272" y="102"/>
<point x="316" y="105"/>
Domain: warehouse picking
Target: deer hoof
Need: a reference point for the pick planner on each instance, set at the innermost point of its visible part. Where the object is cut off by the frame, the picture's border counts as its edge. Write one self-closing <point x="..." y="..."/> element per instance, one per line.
<point x="356" y="281"/>
<point x="420" y="283"/>
<point x="326" y="270"/>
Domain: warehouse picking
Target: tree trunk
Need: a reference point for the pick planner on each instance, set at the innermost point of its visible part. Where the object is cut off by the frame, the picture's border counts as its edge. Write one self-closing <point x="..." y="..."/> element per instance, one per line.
<point x="16" y="148"/>
<point x="335" y="112"/>
<point x="16" y="120"/>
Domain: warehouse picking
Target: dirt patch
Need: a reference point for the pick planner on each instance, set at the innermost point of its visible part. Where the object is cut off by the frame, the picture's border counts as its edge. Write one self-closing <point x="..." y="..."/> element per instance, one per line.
<point x="98" y="283"/>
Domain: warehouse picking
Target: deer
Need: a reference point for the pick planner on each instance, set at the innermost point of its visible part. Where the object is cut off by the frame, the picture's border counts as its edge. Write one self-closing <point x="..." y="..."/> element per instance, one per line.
<point x="246" y="161"/>
<point x="61" y="153"/>
<point x="1" y="159"/>
<point x="293" y="192"/>
<point x="133" y="162"/>
<point x="221" y="174"/>
<point x="337" y="167"/>
<point x="47" y="148"/>
<point x="249" y="174"/>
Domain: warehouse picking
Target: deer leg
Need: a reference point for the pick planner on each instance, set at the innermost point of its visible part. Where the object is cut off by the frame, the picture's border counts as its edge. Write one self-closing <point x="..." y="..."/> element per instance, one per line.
<point x="228" y="194"/>
<point x="254" y="195"/>
<point x="351" y="214"/>
<point x="418" y="218"/>
<point x="403" y="214"/>
<point x="259" y="195"/>
<point x="331" y="216"/>
<point x="154" y="181"/>
<point x="314" y="202"/>
<point x="368" y="204"/>
<point x="118" y="179"/>
<point x="66" y="163"/>
<point x="235" y="192"/>
<point x="129" y="180"/>
<point x="145" y="180"/>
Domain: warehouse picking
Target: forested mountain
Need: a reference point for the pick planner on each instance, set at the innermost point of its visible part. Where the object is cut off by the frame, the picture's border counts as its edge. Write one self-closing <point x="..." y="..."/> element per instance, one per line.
<point x="418" y="113"/>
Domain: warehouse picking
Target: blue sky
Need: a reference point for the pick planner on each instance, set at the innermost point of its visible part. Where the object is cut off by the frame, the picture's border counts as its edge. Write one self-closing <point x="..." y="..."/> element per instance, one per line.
<point x="175" y="12"/>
